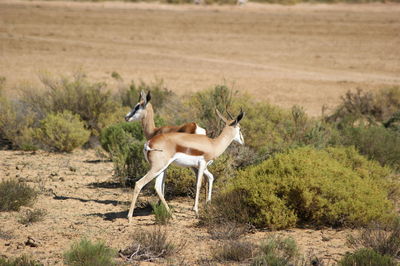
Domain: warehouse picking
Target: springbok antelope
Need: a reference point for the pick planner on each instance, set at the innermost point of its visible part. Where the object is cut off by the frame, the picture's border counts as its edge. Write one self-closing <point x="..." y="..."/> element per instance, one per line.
<point x="188" y="150"/>
<point x="143" y="111"/>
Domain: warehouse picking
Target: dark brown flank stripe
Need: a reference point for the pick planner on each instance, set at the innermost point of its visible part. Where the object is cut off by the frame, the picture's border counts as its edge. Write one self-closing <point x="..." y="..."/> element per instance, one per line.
<point x="188" y="151"/>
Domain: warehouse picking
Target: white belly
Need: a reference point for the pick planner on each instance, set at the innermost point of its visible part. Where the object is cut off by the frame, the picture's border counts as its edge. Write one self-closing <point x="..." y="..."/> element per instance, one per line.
<point x="184" y="160"/>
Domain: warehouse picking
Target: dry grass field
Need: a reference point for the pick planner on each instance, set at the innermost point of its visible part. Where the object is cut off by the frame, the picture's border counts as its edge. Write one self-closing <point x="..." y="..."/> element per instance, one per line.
<point x="305" y="54"/>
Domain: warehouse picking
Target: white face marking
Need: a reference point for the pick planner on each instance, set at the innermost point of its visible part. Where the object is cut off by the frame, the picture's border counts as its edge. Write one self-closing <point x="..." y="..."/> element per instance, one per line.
<point x="184" y="160"/>
<point x="238" y="136"/>
<point x="135" y="114"/>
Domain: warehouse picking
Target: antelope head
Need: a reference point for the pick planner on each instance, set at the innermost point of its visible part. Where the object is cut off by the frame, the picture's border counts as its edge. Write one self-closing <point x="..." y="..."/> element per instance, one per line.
<point x="139" y="111"/>
<point x="233" y="126"/>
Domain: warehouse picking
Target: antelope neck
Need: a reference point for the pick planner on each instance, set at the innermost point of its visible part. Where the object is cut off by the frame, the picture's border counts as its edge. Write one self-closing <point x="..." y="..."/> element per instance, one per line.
<point x="149" y="127"/>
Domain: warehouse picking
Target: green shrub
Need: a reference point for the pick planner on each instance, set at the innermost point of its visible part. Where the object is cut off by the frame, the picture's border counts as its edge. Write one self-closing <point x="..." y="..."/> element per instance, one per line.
<point x="160" y="94"/>
<point x="120" y="134"/>
<point x="277" y="251"/>
<point x="310" y="186"/>
<point x="86" y="253"/>
<point x="62" y="132"/>
<point x="91" y="101"/>
<point x="15" y="125"/>
<point x="24" y="260"/>
<point x="234" y="251"/>
<point x="161" y="214"/>
<point x="375" y="142"/>
<point x="204" y="103"/>
<point x="366" y="257"/>
<point x="32" y="216"/>
<point x="149" y="245"/>
<point x="14" y="194"/>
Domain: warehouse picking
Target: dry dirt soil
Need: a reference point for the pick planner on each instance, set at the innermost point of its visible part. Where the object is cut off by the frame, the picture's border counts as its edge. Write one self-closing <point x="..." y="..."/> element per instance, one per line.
<point x="303" y="54"/>
<point x="82" y="201"/>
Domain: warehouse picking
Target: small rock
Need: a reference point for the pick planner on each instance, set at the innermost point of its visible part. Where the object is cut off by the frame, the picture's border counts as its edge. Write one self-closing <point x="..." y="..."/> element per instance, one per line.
<point x="32" y="242"/>
<point x="72" y="169"/>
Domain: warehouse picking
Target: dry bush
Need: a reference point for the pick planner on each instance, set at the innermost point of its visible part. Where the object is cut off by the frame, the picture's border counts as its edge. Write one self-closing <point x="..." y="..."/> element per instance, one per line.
<point x="14" y="194"/>
<point x="150" y="245"/>
<point x="384" y="239"/>
<point x="32" y="216"/>
<point x="238" y="251"/>
<point x="227" y="230"/>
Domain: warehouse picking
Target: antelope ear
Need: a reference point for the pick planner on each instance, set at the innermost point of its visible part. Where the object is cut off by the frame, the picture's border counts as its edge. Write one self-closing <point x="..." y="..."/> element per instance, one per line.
<point x="142" y="96"/>
<point x="221" y="116"/>
<point x="238" y="118"/>
<point x="148" y="97"/>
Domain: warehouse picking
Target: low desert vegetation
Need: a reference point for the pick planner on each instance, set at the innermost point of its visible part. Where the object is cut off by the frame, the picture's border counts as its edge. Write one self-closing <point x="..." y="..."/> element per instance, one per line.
<point x="23" y="260"/>
<point x="317" y="188"/>
<point x="86" y="253"/>
<point x="62" y="132"/>
<point x="32" y="216"/>
<point x="339" y="170"/>
<point x="235" y="251"/>
<point x="161" y="214"/>
<point x="14" y="195"/>
<point x="150" y="245"/>
<point x="366" y="257"/>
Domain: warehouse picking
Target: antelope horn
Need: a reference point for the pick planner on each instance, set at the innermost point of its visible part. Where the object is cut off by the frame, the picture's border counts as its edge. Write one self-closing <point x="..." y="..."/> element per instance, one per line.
<point x="221" y="116"/>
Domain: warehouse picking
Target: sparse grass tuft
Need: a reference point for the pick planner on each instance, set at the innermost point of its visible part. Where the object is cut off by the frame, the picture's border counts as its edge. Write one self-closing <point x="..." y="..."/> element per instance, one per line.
<point x="277" y="251"/>
<point x="150" y="245"/>
<point x="24" y="260"/>
<point x="161" y="214"/>
<point x="86" y="253"/>
<point x="14" y="194"/>
<point x="32" y="216"/>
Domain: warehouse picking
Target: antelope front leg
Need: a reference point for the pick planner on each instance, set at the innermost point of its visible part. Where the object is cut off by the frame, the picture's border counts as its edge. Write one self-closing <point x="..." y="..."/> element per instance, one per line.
<point x="202" y="166"/>
<point x="138" y="187"/>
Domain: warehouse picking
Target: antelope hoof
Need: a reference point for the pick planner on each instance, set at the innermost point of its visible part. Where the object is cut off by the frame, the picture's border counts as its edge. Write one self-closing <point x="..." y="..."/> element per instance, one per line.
<point x="130" y="219"/>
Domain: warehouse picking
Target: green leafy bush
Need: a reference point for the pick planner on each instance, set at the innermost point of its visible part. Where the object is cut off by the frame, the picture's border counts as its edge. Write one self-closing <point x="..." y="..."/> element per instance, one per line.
<point x="310" y="186"/>
<point x="120" y="134"/>
<point x="86" y="253"/>
<point x="62" y="132"/>
<point x="366" y="257"/>
<point x="14" y="194"/>
<point x="277" y="251"/>
<point x="24" y="260"/>
<point x="375" y="142"/>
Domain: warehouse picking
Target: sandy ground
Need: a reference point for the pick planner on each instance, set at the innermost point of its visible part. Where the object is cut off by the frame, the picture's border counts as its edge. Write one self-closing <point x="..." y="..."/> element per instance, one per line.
<point x="304" y="54"/>
<point x="80" y="202"/>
